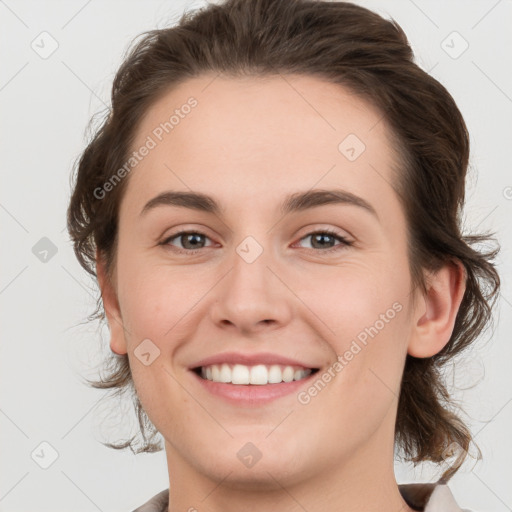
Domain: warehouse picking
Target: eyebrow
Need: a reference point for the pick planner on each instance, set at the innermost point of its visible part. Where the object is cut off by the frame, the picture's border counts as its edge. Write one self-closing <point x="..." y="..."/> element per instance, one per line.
<point x="296" y="202"/>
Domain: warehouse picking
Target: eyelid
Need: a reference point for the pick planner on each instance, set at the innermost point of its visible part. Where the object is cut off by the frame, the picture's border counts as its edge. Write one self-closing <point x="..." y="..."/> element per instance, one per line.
<point x="166" y="240"/>
<point x="182" y="229"/>
<point x="318" y="228"/>
<point x="344" y="241"/>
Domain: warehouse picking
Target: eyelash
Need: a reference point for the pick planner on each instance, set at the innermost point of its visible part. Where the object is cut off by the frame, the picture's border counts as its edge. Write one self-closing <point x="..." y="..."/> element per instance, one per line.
<point x="344" y="242"/>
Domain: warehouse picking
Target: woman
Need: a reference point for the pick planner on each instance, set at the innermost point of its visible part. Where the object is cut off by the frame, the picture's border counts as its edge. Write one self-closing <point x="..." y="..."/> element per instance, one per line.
<point x="272" y="211"/>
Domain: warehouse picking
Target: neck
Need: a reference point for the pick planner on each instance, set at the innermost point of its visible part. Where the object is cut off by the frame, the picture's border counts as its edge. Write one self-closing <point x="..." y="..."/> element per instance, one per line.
<point x="363" y="481"/>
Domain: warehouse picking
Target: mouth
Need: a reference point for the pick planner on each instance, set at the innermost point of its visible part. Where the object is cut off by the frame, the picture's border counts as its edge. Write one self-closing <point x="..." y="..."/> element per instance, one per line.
<point x="255" y="375"/>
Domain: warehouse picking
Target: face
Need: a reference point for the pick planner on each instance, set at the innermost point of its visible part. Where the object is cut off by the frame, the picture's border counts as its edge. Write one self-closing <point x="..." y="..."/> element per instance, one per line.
<point x="265" y="278"/>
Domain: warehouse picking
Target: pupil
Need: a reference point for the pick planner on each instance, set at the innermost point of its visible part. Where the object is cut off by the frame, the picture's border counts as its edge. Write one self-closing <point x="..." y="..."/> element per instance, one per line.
<point x="194" y="239"/>
<point x="192" y="236"/>
<point x="321" y="236"/>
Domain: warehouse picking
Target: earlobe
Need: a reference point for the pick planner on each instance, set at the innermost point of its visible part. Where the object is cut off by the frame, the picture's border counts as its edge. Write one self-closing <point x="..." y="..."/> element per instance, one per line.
<point x="111" y="306"/>
<point x="434" y="324"/>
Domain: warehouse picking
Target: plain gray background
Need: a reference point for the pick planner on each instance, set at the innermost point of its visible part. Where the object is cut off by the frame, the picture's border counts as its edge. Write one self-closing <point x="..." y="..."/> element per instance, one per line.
<point x="46" y="102"/>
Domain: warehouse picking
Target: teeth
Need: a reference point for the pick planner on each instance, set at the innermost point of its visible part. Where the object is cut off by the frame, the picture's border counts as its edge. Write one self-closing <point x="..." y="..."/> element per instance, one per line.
<point x="225" y="373"/>
<point x="257" y="375"/>
<point x="240" y="374"/>
<point x="275" y="375"/>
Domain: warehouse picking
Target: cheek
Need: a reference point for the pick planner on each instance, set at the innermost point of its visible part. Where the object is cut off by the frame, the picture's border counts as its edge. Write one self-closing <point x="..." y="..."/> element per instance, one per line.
<point x="354" y="296"/>
<point x="365" y="311"/>
<point x="155" y="299"/>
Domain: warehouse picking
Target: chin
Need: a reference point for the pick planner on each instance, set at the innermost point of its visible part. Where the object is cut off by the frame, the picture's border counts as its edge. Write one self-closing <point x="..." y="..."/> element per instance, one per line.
<point x="265" y="478"/>
<point x="267" y="467"/>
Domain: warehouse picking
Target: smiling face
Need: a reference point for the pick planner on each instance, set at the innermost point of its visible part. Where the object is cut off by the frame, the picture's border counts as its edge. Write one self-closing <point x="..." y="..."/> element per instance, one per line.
<point x="304" y="280"/>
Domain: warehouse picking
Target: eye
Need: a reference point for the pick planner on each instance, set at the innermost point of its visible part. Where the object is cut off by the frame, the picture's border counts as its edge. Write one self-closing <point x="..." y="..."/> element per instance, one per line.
<point x="323" y="238"/>
<point x="191" y="241"/>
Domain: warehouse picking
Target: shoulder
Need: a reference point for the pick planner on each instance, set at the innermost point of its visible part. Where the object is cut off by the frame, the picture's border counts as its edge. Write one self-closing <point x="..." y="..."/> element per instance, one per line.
<point x="158" y="503"/>
<point x="427" y="497"/>
<point x="430" y="497"/>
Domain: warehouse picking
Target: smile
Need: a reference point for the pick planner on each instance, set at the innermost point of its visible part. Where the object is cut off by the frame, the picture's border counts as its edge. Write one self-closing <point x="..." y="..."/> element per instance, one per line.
<point x="260" y="374"/>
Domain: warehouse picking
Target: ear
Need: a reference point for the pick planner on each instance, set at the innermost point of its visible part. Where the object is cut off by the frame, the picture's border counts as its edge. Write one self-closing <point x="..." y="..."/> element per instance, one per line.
<point x="111" y="306"/>
<point x="435" y="313"/>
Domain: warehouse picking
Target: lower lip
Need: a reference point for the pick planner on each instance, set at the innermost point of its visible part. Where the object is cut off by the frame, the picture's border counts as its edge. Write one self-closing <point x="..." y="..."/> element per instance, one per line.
<point x="252" y="394"/>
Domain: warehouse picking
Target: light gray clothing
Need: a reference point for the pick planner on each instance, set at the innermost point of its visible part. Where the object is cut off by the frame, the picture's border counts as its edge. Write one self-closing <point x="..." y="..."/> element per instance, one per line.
<point x="436" y="497"/>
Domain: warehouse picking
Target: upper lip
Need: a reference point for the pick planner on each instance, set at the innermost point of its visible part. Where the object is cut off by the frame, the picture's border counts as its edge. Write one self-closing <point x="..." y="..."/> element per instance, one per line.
<point x="251" y="359"/>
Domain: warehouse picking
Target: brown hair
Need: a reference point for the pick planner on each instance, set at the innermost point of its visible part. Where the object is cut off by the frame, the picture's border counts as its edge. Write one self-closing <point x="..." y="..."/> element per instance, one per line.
<point x="358" y="49"/>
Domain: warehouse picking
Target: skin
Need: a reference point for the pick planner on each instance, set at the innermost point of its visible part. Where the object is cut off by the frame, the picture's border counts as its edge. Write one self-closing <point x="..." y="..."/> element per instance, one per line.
<point x="249" y="143"/>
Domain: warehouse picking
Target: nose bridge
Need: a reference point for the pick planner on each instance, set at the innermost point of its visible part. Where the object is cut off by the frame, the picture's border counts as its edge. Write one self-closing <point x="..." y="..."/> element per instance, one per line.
<point x="251" y="295"/>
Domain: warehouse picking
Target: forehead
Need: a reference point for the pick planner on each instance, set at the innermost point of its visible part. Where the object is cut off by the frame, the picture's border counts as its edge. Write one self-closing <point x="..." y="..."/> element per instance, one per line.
<point x="262" y="137"/>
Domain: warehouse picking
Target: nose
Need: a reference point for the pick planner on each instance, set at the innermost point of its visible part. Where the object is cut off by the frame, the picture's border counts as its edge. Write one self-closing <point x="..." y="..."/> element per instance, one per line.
<point x="252" y="297"/>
